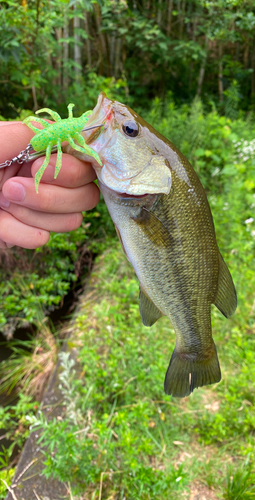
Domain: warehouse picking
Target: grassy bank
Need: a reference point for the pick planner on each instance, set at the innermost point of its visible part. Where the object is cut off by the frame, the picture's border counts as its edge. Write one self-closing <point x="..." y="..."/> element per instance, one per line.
<point x="121" y="436"/>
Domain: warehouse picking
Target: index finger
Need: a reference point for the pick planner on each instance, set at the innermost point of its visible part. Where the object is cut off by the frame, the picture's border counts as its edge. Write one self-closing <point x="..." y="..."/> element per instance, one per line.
<point x="14" y="137"/>
<point x="73" y="173"/>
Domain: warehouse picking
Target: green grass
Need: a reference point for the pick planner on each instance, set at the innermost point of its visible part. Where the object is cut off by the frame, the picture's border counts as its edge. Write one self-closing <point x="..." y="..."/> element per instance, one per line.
<point x="121" y="434"/>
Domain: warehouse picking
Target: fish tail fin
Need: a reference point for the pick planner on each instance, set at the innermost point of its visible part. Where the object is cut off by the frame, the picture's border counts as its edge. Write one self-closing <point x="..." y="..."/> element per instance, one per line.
<point x="185" y="373"/>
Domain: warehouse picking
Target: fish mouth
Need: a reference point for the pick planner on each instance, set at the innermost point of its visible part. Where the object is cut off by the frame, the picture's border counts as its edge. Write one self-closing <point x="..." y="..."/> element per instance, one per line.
<point x="101" y="115"/>
<point x="121" y="194"/>
<point x="126" y="195"/>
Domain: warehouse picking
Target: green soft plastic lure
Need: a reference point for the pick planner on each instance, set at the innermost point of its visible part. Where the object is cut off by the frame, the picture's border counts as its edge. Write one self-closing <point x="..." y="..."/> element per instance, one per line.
<point x="68" y="129"/>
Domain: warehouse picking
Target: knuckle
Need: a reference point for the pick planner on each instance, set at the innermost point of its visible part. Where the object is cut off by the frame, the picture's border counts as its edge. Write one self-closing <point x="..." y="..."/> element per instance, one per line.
<point x="47" y="200"/>
<point x="77" y="176"/>
<point x="20" y="212"/>
<point x="73" y="221"/>
<point x="4" y="224"/>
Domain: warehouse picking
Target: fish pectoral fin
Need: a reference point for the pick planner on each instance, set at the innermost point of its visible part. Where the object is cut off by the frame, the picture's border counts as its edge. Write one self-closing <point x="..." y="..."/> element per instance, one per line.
<point x="154" y="228"/>
<point x="148" y="311"/>
<point x="225" y="300"/>
<point x="186" y="372"/>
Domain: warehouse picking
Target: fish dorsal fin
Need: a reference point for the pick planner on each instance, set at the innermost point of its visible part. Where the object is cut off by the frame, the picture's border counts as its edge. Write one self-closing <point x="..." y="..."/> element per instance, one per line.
<point x="154" y="228"/>
<point x="148" y="311"/>
<point x="225" y="300"/>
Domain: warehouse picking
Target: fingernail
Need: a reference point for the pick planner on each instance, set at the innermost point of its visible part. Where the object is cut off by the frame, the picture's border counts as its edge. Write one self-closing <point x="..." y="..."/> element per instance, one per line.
<point x="14" y="191"/>
<point x="4" y="203"/>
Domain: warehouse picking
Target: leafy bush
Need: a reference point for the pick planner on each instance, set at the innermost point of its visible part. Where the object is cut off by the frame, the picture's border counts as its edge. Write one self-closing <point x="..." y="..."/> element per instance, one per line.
<point x="32" y="281"/>
<point x="15" y="427"/>
<point x="207" y="139"/>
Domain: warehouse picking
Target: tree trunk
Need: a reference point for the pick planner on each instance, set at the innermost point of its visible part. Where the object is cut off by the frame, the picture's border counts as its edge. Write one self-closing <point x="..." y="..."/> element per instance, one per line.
<point x="201" y="77"/>
<point x="36" y="107"/>
<point x="113" y="47"/>
<point x="179" y="13"/>
<point x="182" y="15"/>
<point x="58" y="59"/>
<point x="194" y="28"/>
<point x="65" y="54"/>
<point x="202" y="70"/>
<point x="117" y="57"/>
<point x="159" y="12"/>
<point x="88" y="44"/>
<point x="77" y="48"/>
<point x="253" y="73"/>
<point x="246" y="55"/>
<point x="220" y="74"/>
<point x="169" y="17"/>
<point x="102" y="45"/>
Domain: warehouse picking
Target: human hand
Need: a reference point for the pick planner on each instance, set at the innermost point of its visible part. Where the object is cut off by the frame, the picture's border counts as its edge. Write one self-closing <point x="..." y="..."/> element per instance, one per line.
<point x="26" y="218"/>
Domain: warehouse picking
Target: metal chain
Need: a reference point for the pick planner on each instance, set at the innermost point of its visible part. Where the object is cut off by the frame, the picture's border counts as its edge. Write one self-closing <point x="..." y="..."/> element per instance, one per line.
<point x="20" y="158"/>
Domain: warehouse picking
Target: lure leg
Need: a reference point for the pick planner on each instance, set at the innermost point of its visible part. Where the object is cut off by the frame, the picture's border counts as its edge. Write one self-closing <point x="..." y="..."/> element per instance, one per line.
<point x="78" y="137"/>
<point x="85" y="116"/>
<point x="56" y="117"/>
<point x="59" y="159"/>
<point x="70" y="110"/>
<point x="83" y="150"/>
<point x="30" y="119"/>
<point x="42" y="169"/>
<point x="74" y="146"/>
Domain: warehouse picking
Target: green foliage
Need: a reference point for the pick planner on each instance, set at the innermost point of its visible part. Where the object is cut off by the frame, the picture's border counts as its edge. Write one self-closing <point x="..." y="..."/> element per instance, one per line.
<point x="206" y="139"/>
<point x="38" y="355"/>
<point x="6" y="476"/>
<point x="84" y="94"/>
<point x="14" y="425"/>
<point x="148" y="49"/>
<point x="118" y="444"/>
<point x="41" y="278"/>
<point x="13" y="420"/>
<point x="240" y="483"/>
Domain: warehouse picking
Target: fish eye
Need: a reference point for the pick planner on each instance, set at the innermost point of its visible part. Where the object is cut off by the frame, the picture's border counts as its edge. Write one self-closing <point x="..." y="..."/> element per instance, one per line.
<point x="130" y="128"/>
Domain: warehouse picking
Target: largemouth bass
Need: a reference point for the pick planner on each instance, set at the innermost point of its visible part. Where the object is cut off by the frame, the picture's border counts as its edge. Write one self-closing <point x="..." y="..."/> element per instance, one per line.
<point x="164" y="223"/>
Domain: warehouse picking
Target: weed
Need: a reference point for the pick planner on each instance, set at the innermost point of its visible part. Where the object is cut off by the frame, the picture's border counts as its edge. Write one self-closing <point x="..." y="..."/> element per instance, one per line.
<point x="241" y="482"/>
<point x="31" y="362"/>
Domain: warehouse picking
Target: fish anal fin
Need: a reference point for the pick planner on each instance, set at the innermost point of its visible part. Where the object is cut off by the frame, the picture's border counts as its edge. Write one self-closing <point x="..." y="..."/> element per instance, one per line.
<point x="186" y="372"/>
<point x="148" y="311"/>
<point x="154" y="228"/>
<point x="225" y="300"/>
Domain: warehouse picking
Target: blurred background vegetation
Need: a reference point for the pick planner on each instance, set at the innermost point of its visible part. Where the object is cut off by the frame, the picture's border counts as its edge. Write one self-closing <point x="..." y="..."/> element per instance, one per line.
<point x="56" y="50"/>
<point x="188" y="67"/>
